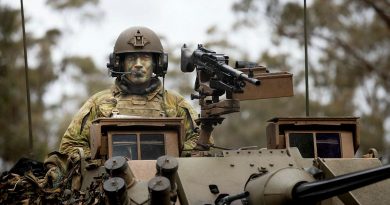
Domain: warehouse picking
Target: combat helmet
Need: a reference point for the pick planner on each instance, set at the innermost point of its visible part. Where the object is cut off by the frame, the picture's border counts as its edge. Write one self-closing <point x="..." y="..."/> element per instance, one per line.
<point x="134" y="40"/>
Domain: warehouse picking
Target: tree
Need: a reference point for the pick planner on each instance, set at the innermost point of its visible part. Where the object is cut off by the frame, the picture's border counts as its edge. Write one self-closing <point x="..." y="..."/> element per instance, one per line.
<point x="351" y="41"/>
<point x="13" y="109"/>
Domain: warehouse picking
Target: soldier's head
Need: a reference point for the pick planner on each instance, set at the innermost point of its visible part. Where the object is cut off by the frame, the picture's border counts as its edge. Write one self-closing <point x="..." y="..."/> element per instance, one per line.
<point x="138" y="56"/>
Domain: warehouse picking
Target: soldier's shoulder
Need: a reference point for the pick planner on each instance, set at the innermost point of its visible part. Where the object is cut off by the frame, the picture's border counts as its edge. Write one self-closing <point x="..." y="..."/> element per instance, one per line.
<point x="173" y="95"/>
<point x="102" y="95"/>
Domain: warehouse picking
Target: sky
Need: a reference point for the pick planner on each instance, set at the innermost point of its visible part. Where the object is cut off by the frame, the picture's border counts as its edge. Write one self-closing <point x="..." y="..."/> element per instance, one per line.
<point x="177" y="21"/>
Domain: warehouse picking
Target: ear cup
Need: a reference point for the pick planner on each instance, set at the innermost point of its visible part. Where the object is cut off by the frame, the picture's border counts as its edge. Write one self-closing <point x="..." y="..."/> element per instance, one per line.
<point x="115" y="65"/>
<point x="111" y="65"/>
<point x="162" y="66"/>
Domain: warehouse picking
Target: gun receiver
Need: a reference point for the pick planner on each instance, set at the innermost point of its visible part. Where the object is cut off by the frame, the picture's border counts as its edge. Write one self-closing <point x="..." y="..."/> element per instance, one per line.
<point x="222" y="76"/>
<point x="214" y="78"/>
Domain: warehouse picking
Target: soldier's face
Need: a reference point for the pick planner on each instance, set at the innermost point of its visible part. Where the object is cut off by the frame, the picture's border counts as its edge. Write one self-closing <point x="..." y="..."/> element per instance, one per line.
<point x="141" y="67"/>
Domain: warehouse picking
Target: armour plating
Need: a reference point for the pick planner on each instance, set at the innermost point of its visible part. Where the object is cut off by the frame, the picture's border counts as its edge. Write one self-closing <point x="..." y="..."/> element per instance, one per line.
<point x="136" y="105"/>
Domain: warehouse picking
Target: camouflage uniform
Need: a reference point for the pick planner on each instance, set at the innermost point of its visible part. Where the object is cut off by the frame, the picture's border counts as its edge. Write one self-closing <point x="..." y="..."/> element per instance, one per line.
<point x="151" y="104"/>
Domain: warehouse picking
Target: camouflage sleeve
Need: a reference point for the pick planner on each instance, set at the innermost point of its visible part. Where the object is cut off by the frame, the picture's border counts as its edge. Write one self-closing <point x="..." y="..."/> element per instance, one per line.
<point x="187" y="112"/>
<point x="189" y="115"/>
<point x="77" y="134"/>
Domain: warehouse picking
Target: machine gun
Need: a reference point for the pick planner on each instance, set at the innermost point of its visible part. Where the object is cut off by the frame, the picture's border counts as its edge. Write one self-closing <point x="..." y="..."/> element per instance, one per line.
<point x="214" y="79"/>
<point x="215" y="70"/>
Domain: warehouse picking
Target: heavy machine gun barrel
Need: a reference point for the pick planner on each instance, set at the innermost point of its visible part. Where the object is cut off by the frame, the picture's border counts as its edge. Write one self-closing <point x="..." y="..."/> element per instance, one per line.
<point x="320" y="190"/>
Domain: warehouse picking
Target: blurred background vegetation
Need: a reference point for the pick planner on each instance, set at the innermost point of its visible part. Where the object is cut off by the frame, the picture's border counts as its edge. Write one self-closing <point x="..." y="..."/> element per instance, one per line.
<point x="349" y="71"/>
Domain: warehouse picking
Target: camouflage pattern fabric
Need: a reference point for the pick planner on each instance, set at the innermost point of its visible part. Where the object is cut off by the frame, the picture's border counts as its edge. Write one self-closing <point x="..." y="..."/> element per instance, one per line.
<point x="102" y="104"/>
<point x="34" y="190"/>
<point x="28" y="182"/>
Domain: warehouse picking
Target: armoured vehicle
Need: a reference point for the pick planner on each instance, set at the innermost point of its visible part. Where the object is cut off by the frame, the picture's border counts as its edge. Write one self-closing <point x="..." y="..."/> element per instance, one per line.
<point x="308" y="160"/>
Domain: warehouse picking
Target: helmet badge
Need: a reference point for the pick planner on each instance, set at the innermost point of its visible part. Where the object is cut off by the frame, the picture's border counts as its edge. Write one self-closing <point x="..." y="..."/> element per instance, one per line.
<point x="138" y="40"/>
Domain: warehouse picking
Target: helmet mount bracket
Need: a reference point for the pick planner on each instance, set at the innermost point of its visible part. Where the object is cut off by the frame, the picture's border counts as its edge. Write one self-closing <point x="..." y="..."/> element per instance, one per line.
<point x="138" y="40"/>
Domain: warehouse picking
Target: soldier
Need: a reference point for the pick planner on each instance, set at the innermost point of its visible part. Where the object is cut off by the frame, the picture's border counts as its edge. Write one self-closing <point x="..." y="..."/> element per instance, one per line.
<point x="137" y="62"/>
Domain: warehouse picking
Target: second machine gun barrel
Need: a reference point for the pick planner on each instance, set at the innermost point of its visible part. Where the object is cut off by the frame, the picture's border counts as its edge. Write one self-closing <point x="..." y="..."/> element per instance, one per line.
<point x="320" y="190"/>
<point x="296" y="186"/>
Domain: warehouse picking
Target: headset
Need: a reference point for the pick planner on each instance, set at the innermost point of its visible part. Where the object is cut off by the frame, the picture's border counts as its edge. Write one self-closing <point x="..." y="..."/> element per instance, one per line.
<point x="116" y="68"/>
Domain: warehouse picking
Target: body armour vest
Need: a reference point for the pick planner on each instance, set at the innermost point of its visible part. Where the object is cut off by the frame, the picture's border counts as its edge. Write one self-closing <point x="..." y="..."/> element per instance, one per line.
<point x="139" y="105"/>
<point x="124" y="102"/>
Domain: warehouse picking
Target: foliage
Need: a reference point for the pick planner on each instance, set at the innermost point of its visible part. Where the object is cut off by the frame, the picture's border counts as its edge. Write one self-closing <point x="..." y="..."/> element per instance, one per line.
<point x="70" y="4"/>
<point x="12" y="84"/>
<point x="176" y="79"/>
<point x="351" y="40"/>
<point x="43" y="72"/>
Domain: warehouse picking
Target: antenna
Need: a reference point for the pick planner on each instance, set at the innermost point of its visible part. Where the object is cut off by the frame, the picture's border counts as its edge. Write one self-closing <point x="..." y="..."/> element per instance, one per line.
<point x="30" y="136"/>
<point x="306" y="61"/>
